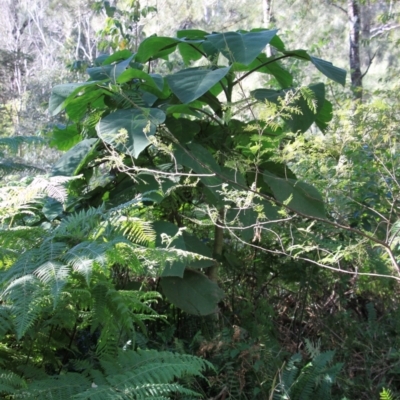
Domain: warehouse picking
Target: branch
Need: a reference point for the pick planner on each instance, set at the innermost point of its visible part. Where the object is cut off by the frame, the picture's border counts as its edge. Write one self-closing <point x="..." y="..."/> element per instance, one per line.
<point x="309" y="260"/>
<point x="382" y="29"/>
<point x="369" y="64"/>
<point x="339" y="7"/>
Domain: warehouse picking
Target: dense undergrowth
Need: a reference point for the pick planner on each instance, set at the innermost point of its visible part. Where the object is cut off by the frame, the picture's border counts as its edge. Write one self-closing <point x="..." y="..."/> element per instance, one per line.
<point x="200" y="240"/>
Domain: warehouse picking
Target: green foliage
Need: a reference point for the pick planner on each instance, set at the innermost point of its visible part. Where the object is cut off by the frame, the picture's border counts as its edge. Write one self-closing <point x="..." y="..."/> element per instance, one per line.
<point x="144" y="374"/>
<point x="386" y="395"/>
<point x="313" y="380"/>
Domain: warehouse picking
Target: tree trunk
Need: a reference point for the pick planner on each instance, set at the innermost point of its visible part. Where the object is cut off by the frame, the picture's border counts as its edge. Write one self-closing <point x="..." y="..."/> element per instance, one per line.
<point x="353" y="11"/>
<point x="267" y="13"/>
<point x="212" y="272"/>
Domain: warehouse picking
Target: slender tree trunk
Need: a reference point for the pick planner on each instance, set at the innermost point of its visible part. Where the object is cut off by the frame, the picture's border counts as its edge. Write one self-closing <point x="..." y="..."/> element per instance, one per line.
<point x="267" y="13"/>
<point x="353" y="11"/>
<point x="213" y="272"/>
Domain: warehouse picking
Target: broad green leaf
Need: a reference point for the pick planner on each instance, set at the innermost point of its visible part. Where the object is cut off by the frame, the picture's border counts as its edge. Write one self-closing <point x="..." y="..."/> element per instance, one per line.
<point x="111" y="72"/>
<point x="169" y="236"/>
<point x="233" y="176"/>
<point x="190" y="52"/>
<point x="270" y="66"/>
<point x="52" y="209"/>
<point x="201" y="161"/>
<point x="328" y="69"/>
<point x="151" y="48"/>
<point x="63" y="138"/>
<point x="128" y="130"/>
<point x="276" y="41"/>
<point x="243" y="221"/>
<point x="211" y="100"/>
<point x="299" y="196"/>
<point x="211" y="51"/>
<point x="70" y="163"/>
<point x="149" y="187"/>
<point x="284" y="77"/>
<point x="301" y="122"/>
<point x="120" y="55"/>
<point x="191" y="83"/>
<point x="194" y="293"/>
<point x="191" y="34"/>
<point x="241" y="47"/>
<point x="324" y="115"/>
<point x="281" y="170"/>
<point x="183" y="109"/>
<point x="195" y="245"/>
<point x="60" y="93"/>
<point x="184" y="130"/>
<point x="301" y="54"/>
<point x="152" y="83"/>
<point x="268" y="94"/>
<point x="77" y="107"/>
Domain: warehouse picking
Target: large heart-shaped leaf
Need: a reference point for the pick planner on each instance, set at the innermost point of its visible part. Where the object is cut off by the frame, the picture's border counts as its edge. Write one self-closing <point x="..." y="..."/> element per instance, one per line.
<point x="183" y="129"/>
<point x="191" y="83"/>
<point x="194" y="293"/>
<point x="60" y="93"/>
<point x="70" y="163"/>
<point x="153" y="83"/>
<point x="303" y="120"/>
<point x="241" y="47"/>
<point x="201" y="161"/>
<point x="109" y="71"/>
<point x="154" y="46"/>
<point x="299" y="196"/>
<point x="128" y="130"/>
<point x="191" y="34"/>
<point x="64" y="137"/>
<point x="175" y="264"/>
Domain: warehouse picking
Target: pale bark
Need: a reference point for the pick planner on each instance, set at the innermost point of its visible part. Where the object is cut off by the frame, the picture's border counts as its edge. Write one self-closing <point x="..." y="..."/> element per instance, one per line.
<point x="353" y="12"/>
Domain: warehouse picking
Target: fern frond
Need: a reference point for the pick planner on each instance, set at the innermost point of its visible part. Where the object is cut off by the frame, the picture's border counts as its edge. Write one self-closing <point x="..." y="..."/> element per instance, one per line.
<point x="386" y="394"/>
<point x="13" y="143"/>
<point x="33" y="259"/>
<point x="290" y="373"/>
<point x="135" y="229"/>
<point x="24" y="294"/>
<point x="6" y="323"/>
<point x="8" y="167"/>
<point x="10" y="382"/>
<point x="58" y="387"/>
<point x="55" y="275"/>
<point x="80" y="225"/>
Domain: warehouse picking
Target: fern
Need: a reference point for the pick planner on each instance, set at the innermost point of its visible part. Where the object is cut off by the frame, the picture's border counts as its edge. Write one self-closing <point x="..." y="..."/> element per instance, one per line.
<point x="386" y="394"/>
<point x="314" y="380"/>
<point x="144" y="374"/>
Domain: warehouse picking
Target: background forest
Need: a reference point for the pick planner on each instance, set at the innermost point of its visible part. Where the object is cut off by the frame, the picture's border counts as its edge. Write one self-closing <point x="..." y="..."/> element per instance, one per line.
<point x="199" y="199"/>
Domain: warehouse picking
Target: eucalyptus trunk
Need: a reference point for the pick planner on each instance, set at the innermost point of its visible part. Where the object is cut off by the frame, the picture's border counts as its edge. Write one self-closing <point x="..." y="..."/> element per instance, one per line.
<point x="354" y="15"/>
